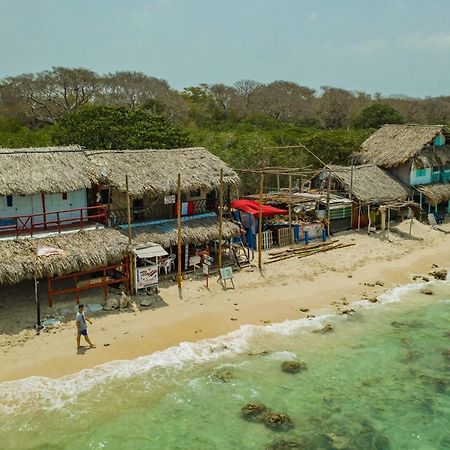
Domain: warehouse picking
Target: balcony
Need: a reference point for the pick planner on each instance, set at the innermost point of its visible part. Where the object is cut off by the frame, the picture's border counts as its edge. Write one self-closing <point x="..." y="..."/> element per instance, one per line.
<point x="54" y="222"/>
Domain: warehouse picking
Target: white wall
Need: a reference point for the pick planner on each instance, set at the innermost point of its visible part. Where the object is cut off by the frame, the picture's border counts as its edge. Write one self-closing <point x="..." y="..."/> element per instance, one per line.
<point x="32" y="204"/>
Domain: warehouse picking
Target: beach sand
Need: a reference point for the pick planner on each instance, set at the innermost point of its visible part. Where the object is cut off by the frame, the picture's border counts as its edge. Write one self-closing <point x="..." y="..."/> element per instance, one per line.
<point x="319" y="283"/>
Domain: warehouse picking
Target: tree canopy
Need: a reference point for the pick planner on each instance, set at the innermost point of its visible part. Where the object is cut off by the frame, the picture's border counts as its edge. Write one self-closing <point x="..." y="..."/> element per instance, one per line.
<point x="110" y="127"/>
<point x="376" y="115"/>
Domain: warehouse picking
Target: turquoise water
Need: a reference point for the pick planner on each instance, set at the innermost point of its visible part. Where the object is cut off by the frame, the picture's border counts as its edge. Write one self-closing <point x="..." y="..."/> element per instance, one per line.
<point x="380" y="380"/>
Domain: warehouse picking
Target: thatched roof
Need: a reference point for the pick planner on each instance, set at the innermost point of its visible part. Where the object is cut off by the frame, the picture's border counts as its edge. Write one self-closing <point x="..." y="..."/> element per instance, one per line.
<point x="84" y="250"/>
<point x="51" y="169"/>
<point x="435" y="193"/>
<point x="370" y="183"/>
<point x="393" y="145"/>
<point x="196" y="231"/>
<point x="155" y="172"/>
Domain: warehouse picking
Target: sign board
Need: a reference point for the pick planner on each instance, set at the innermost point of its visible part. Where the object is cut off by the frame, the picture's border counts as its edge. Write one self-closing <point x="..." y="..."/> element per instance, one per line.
<point x="170" y="199"/>
<point x="208" y="260"/>
<point x="146" y="276"/>
<point x="205" y="269"/>
<point x="226" y="273"/>
<point x="195" y="261"/>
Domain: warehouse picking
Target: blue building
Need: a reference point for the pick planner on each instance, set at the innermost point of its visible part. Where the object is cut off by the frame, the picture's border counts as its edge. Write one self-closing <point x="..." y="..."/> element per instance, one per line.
<point x="417" y="155"/>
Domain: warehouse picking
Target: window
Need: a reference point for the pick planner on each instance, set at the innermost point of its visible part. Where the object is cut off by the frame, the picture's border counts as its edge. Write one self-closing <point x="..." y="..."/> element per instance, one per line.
<point x="421" y="172"/>
<point x="9" y="201"/>
<point x="64" y="195"/>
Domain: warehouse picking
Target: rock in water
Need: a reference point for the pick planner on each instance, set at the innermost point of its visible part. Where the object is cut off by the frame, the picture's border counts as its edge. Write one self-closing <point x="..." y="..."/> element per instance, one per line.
<point x="293" y="366"/>
<point x="325" y="329"/>
<point x="286" y="445"/>
<point x="253" y="411"/>
<point x="277" y="421"/>
<point x="223" y="375"/>
<point x="439" y="274"/>
<point x="427" y="291"/>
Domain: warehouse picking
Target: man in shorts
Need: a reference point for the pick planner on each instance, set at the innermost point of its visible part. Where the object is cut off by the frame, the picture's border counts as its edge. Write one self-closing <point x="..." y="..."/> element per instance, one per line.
<point x="82" y="327"/>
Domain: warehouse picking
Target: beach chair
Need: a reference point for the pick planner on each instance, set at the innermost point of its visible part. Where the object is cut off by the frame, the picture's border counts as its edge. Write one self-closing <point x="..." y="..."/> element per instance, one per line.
<point x="168" y="264"/>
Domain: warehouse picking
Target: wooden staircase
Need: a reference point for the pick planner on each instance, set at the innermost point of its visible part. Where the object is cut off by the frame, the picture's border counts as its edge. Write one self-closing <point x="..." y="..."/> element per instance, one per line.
<point x="241" y="253"/>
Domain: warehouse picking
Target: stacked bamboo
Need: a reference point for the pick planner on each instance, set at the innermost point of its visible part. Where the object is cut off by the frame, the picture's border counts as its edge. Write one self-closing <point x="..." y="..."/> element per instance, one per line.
<point x="302" y="251"/>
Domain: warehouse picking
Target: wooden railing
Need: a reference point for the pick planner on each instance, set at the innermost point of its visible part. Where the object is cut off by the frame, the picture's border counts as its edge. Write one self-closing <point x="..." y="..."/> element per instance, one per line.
<point x="52" y="220"/>
<point x="83" y="281"/>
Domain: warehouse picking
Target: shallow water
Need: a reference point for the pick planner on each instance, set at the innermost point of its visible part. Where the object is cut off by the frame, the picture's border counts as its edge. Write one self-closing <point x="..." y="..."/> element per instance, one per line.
<point x="380" y="380"/>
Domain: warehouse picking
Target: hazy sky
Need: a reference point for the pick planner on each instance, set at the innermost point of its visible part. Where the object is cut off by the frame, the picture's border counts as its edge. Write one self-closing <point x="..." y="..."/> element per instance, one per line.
<point x="390" y="46"/>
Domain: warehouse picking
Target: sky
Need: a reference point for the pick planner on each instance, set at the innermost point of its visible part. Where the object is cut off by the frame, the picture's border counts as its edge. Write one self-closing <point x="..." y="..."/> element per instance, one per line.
<point x="388" y="46"/>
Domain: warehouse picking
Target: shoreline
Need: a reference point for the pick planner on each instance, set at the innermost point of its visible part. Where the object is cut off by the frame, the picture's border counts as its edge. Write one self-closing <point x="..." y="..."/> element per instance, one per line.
<point x="258" y="299"/>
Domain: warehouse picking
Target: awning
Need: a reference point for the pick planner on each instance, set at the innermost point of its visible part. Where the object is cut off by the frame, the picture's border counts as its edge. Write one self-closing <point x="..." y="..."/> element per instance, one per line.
<point x="149" y="251"/>
<point x="252" y="207"/>
<point x="435" y="193"/>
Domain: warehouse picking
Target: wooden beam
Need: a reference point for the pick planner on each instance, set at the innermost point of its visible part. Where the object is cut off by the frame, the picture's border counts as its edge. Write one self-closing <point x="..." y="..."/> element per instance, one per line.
<point x="179" y="230"/>
<point x="220" y="220"/>
<point x="261" y="189"/>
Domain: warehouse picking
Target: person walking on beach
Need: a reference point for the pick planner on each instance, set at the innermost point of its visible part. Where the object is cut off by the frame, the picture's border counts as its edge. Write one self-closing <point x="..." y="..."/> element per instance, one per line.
<point x="82" y="327"/>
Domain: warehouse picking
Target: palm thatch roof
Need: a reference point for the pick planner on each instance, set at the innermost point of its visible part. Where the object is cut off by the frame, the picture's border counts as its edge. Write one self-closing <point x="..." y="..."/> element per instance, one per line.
<point x="50" y="169"/>
<point x="435" y="193"/>
<point x="393" y="145"/>
<point x="196" y="231"/>
<point x="370" y="184"/>
<point x="84" y="250"/>
<point x="155" y="172"/>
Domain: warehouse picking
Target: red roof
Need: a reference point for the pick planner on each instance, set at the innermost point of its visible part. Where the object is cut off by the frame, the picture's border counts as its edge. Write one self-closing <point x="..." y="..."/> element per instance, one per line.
<point x="252" y="207"/>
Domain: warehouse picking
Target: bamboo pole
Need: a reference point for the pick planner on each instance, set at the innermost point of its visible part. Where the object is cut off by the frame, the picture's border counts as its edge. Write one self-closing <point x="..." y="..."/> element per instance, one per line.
<point x="179" y="230"/>
<point x="261" y="189"/>
<point x="328" y="203"/>
<point x="220" y="220"/>
<point x="128" y="209"/>
<point x="290" y="208"/>
<point x="131" y="256"/>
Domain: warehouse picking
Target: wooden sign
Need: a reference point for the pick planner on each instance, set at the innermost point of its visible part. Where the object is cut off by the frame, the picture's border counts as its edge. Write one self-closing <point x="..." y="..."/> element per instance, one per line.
<point x="205" y="269"/>
<point x="208" y="260"/>
<point x="195" y="261"/>
<point x="170" y="199"/>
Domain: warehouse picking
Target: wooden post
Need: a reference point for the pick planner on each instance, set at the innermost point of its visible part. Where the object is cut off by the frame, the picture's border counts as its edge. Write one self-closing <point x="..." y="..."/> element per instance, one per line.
<point x="359" y="216"/>
<point x="350" y="194"/>
<point x="389" y="221"/>
<point x="179" y="230"/>
<point x="328" y="203"/>
<point x="128" y="209"/>
<point x="261" y="189"/>
<point x="108" y="208"/>
<point x="130" y="259"/>
<point x="44" y="210"/>
<point x="278" y="182"/>
<point x="290" y="208"/>
<point x="38" y="305"/>
<point x="220" y="221"/>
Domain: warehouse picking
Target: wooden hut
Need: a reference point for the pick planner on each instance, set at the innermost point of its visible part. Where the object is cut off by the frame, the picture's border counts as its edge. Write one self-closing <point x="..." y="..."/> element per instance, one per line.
<point x="70" y="257"/>
<point x="45" y="188"/>
<point x="418" y="155"/>
<point x="369" y="187"/>
<point x="153" y="177"/>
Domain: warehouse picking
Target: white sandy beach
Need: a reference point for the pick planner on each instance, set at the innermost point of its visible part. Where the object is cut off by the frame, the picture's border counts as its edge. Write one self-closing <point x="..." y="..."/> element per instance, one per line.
<point x="318" y="283"/>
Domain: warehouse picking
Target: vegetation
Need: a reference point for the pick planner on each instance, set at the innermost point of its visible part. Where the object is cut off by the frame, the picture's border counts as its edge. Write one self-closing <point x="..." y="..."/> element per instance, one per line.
<point x="118" y="127"/>
<point x="245" y="124"/>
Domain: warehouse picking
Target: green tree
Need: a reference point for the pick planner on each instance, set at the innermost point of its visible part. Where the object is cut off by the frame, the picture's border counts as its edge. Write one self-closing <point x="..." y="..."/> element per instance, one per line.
<point x="109" y="127"/>
<point x="376" y="115"/>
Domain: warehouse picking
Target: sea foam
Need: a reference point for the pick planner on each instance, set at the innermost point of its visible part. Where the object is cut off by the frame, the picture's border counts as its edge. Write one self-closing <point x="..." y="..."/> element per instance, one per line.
<point x="48" y="393"/>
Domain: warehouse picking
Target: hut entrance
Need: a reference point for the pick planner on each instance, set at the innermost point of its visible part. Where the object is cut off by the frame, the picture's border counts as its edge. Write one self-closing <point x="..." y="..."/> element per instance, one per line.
<point x="75" y="283"/>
